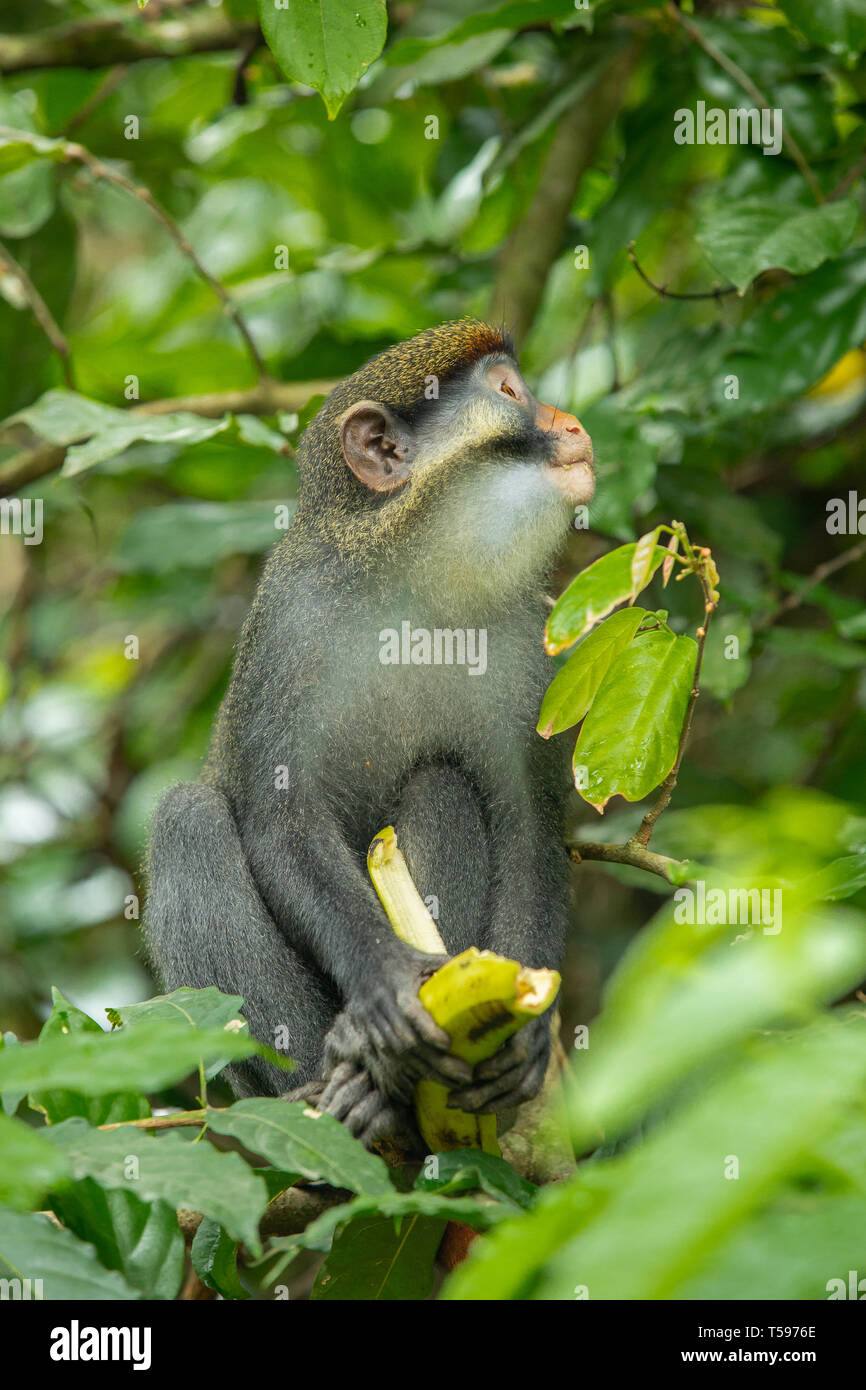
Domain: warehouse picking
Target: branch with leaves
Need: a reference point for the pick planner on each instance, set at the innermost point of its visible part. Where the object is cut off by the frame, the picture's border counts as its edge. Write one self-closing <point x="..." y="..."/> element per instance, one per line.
<point x="632" y="684"/>
<point x="101" y="41"/>
<point x="267" y="397"/>
<point x="70" y="151"/>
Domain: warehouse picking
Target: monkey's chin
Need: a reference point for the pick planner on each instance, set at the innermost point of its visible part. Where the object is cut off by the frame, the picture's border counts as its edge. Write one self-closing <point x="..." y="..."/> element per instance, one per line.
<point x="576" y="481"/>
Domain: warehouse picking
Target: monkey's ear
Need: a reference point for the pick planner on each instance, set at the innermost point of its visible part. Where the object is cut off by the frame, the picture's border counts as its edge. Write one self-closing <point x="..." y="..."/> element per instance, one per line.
<point x="376" y="445"/>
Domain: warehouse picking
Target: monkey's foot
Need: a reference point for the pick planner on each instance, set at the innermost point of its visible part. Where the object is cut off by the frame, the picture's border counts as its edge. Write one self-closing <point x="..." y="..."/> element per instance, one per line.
<point x="311" y="1092"/>
<point x="377" y="1121"/>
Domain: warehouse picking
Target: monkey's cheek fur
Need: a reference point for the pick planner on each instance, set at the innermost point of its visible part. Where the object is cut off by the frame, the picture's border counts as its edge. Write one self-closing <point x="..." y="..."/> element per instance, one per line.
<point x="576" y="481"/>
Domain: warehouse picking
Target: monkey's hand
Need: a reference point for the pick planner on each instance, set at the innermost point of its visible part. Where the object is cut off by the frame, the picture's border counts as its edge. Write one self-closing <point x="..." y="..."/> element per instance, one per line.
<point x="386" y="1031"/>
<point x="511" y="1076"/>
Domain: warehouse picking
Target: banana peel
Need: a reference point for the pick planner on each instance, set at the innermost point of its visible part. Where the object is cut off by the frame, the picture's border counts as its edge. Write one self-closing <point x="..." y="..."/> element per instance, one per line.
<point x="478" y="998"/>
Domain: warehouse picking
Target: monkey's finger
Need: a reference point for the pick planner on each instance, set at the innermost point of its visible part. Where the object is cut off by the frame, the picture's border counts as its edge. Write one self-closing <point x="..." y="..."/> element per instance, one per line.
<point x="344" y="1089"/>
<point x="515" y="1089"/>
<point x="480" y="1099"/>
<point x="425" y="1027"/>
<point x="361" y="1116"/>
<point x="389" y="1124"/>
<point x="441" y="1066"/>
<point x="510" y="1055"/>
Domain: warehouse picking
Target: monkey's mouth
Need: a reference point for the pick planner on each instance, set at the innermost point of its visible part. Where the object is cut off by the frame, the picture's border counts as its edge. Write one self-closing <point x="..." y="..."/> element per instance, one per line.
<point x="574" y="477"/>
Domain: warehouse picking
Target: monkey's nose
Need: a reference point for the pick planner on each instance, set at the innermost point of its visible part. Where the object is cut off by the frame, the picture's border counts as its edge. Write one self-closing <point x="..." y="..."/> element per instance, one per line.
<point x="573" y="444"/>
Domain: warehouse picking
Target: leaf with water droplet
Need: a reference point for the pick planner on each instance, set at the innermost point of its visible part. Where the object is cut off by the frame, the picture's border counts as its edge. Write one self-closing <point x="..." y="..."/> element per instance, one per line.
<point x="631" y="734"/>
<point x="317" y="42"/>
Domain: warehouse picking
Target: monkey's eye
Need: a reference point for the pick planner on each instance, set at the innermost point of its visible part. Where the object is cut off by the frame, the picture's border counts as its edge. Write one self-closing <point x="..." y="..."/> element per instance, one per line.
<point x="508" y="391"/>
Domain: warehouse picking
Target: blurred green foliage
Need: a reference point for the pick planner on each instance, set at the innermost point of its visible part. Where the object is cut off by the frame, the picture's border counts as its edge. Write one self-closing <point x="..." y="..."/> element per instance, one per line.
<point x="742" y="413"/>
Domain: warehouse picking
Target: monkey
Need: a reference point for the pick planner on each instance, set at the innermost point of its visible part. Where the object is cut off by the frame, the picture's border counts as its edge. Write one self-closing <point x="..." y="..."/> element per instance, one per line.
<point x="435" y="493"/>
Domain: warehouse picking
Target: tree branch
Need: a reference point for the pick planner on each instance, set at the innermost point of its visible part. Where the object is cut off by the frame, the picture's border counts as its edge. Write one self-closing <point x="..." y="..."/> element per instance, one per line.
<point x="744" y="80"/>
<point x="41" y="311"/>
<point x="267" y="397"/>
<point x="78" y="154"/>
<point x="101" y="41"/>
<point x="536" y="239"/>
<point x="637" y="856"/>
<point x="288" y="1214"/>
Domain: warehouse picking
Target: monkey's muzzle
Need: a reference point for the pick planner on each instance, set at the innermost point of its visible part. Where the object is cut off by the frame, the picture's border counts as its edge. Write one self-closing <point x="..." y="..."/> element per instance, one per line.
<point x="571" y="465"/>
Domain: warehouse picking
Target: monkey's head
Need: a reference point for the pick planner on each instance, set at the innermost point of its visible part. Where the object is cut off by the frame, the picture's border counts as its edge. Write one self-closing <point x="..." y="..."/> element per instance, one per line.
<point x="439" y="440"/>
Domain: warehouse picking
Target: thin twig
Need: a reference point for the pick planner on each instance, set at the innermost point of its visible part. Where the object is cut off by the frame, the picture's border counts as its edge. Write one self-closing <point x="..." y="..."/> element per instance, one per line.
<point x="635" y="855"/>
<point x="107" y="86"/>
<point x="848" y="180"/>
<point x="182" y="1118"/>
<point x="79" y="154"/>
<point x="823" y="571"/>
<point x="41" y="311"/>
<point x="744" y="80"/>
<point x="665" y="293"/>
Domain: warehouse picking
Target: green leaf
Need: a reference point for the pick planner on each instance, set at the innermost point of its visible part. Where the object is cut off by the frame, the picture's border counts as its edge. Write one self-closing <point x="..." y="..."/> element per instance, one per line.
<point x="765" y="1113"/>
<point x="642" y="564"/>
<point x="373" y="1258"/>
<point x="746" y="236"/>
<point x="672" y="1200"/>
<point x="142" y="1240"/>
<point x="61" y="417"/>
<point x="842" y="878"/>
<point x="188" y="1008"/>
<point x="195" y="535"/>
<point x="795" y="1253"/>
<point x="180" y="428"/>
<point x="591" y="596"/>
<point x="28" y="1166"/>
<point x="27" y="181"/>
<point x="470" y="1170"/>
<point x="10" y="1099"/>
<point x="33" y="1247"/>
<point x="629" y="739"/>
<point x="214" y="1257"/>
<point x="478" y="1212"/>
<point x="839" y="25"/>
<point x="146" y="1058"/>
<point x="167" y="1168"/>
<point x="325" y="44"/>
<point x="799" y="333"/>
<point x="699" y="1006"/>
<point x="66" y="1021"/>
<point x="292" y="1137"/>
<point x="573" y="689"/>
<point x="454" y="27"/>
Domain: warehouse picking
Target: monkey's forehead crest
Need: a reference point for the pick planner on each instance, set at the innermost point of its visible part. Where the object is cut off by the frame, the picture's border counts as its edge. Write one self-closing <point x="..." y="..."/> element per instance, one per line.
<point x="399" y="376"/>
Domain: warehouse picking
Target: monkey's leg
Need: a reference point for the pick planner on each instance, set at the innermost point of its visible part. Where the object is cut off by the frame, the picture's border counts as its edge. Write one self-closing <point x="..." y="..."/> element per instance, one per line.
<point x="441" y="832"/>
<point x="205" y="924"/>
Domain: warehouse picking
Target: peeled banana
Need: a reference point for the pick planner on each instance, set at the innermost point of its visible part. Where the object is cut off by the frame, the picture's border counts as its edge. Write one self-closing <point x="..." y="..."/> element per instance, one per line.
<point x="478" y="998"/>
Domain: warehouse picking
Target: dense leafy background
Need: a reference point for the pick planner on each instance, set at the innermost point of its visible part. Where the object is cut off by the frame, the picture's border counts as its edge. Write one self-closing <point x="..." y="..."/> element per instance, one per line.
<point x="156" y="528"/>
